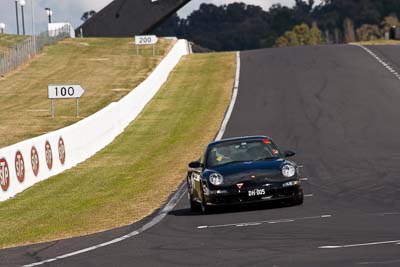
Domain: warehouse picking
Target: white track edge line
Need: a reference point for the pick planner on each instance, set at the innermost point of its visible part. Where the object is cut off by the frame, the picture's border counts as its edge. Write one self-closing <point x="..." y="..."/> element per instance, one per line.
<point x="360" y="245"/>
<point x="381" y="61"/>
<point x="264" y="222"/>
<point x="174" y="200"/>
<point x="233" y="100"/>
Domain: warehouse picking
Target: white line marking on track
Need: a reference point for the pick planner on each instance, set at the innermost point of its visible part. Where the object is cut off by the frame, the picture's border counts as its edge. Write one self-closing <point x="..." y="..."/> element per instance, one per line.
<point x="170" y="205"/>
<point x="264" y="222"/>
<point x="361" y="244"/>
<point x="280" y="221"/>
<point x="378" y="262"/>
<point x="387" y="213"/>
<point x="248" y="224"/>
<point x="309" y="195"/>
<point x="233" y="101"/>
<point x="303" y="179"/>
<point x="382" y="62"/>
<point x="395" y="213"/>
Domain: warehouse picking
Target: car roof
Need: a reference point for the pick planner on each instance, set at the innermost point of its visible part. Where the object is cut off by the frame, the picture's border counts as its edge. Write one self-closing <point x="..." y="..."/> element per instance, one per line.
<point x="243" y="138"/>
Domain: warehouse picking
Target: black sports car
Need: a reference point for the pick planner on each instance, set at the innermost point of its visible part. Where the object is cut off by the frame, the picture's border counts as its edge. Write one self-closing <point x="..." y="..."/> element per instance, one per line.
<point x="240" y="171"/>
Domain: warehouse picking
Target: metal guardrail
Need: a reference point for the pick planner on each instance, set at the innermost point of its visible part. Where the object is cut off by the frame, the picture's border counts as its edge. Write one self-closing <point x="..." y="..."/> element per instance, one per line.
<point x="12" y="58"/>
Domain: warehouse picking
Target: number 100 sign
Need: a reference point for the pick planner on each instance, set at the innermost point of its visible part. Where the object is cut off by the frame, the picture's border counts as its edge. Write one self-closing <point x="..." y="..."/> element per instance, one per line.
<point x="65" y="91"/>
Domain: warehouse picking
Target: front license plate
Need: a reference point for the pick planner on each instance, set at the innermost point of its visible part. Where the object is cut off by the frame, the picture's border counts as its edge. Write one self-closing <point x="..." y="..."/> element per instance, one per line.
<point x="256" y="192"/>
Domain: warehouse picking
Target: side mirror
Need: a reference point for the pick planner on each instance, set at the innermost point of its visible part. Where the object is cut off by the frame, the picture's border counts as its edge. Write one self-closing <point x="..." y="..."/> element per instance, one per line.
<point x="195" y="165"/>
<point x="289" y="154"/>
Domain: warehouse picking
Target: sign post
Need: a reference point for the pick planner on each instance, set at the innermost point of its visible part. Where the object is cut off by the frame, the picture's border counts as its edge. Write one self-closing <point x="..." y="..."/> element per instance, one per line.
<point x="146" y="40"/>
<point x="77" y="107"/>
<point x="64" y="92"/>
<point x="53" y="111"/>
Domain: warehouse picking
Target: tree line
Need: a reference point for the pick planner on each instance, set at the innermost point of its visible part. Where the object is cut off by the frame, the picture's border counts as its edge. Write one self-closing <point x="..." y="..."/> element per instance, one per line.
<point x="239" y="26"/>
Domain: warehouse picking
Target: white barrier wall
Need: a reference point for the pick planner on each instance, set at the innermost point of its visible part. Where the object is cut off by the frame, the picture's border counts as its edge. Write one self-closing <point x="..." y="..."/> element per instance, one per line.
<point x="24" y="164"/>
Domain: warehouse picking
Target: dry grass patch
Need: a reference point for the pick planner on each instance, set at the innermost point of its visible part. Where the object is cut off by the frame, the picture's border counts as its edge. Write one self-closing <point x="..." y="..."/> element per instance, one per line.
<point x="24" y="92"/>
<point x="10" y="40"/>
<point x="380" y="42"/>
<point x="136" y="173"/>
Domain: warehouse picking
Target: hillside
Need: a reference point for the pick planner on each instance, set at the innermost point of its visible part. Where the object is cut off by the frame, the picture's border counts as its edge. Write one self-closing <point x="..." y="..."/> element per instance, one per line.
<point x="121" y="183"/>
<point x="9" y="40"/>
<point x="106" y="68"/>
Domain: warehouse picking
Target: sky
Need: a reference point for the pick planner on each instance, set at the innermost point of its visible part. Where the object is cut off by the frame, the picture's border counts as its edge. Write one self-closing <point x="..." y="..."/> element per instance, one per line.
<point x="72" y="10"/>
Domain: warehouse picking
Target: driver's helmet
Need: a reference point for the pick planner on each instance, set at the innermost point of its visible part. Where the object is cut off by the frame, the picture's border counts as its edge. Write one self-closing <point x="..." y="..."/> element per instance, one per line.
<point x="223" y="151"/>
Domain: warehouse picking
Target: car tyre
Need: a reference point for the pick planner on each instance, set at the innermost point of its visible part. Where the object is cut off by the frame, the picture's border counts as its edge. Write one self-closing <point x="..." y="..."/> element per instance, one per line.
<point x="194" y="206"/>
<point x="204" y="208"/>
<point x="299" y="199"/>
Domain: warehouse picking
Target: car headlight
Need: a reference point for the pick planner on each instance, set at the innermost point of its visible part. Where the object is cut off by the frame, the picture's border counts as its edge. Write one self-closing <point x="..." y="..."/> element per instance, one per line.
<point x="288" y="170"/>
<point x="291" y="183"/>
<point x="216" y="179"/>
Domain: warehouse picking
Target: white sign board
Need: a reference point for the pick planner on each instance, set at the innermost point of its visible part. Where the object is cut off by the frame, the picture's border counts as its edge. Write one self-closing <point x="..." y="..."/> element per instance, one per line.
<point x="65" y="91"/>
<point x="146" y="40"/>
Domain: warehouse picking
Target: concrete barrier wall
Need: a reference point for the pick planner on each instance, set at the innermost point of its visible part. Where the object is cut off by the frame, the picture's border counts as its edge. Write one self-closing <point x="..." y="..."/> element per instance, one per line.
<point x="29" y="162"/>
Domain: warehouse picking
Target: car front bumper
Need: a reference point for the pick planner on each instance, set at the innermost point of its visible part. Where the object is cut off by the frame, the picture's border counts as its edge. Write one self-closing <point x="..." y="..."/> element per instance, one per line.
<point x="234" y="197"/>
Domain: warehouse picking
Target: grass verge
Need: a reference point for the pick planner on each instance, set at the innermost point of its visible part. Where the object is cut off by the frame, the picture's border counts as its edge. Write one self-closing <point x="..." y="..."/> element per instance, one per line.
<point x="107" y="68"/>
<point x="134" y="175"/>
<point x="380" y="42"/>
<point x="10" y="40"/>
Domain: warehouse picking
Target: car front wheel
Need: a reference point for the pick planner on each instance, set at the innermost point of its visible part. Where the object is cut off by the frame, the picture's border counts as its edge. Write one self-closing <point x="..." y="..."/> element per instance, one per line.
<point x="194" y="206"/>
<point x="299" y="199"/>
<point x="204" y="208"/>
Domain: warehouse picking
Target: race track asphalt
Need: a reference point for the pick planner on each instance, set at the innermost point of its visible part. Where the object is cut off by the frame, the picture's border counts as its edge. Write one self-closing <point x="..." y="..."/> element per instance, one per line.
<point x="339" y="109"/>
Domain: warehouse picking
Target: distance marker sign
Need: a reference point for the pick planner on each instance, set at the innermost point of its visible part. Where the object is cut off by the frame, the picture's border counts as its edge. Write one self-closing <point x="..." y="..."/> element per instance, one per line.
<point x="65" y="91"/>
<point x="146" y="40"/>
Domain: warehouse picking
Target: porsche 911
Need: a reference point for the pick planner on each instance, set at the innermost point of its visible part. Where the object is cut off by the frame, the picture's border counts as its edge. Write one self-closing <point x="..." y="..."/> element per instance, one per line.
<point x="243" y="170"/>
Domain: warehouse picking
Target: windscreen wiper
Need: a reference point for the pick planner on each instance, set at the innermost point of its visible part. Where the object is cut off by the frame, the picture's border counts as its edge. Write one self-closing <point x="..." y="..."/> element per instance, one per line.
<point x="236" y="161"/>
<point x="267" y="158"/>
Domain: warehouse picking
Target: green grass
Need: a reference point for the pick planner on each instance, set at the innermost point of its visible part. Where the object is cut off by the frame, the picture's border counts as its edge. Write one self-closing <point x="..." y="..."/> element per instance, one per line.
<point x="10" y="40"/>
<point x="380" y="42"/>
<point x="134" y="175"/>
<point x="106" y="68"/>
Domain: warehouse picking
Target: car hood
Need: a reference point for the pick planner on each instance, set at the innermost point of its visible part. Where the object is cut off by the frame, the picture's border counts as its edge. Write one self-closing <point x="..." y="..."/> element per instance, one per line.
<point x="254" y="172"/>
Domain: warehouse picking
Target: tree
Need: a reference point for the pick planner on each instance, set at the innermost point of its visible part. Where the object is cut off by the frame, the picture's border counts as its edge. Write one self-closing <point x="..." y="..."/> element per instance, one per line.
<point x="292" y="38"/>
<point x="368" y="32"/>
<point x="300" y="35"/>
<point x="349" y="34"/>
<point x="239" y="26"/>
<point x="282" y="42"/>
<point x="315" y="35"/>
<point x="171" y="27"/>
<point x="389" y="22"/>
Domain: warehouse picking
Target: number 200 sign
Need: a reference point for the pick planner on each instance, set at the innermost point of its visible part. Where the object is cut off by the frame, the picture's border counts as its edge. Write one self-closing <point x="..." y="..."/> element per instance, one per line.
<point x="142" y="40"/>
<point x="146" y="40"/>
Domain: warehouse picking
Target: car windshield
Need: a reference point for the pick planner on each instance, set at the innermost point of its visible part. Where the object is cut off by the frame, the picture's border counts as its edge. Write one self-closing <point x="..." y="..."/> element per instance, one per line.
<point x="241" y="151"/>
